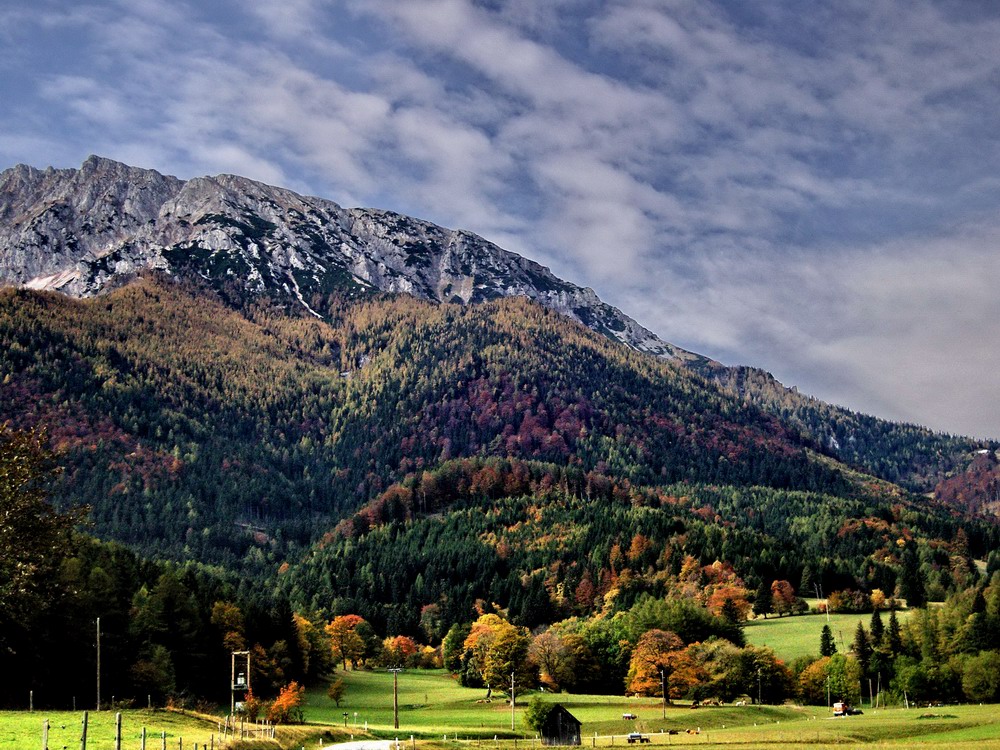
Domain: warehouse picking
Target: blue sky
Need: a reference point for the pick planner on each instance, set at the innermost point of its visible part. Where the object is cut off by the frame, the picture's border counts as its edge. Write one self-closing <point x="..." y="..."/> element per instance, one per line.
<point x="811" y="188"/>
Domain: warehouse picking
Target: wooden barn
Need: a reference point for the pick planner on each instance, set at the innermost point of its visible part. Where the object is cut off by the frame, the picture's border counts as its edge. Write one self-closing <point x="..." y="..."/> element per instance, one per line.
<point x="560" y="728"/>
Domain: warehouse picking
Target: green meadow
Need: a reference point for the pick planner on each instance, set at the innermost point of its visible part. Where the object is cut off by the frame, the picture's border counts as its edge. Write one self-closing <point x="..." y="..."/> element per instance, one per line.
<point x="432" y="704"/>
<point x="437" y="712"/>
<point x="22" y="730"/>
<point x="441" y="715"/>
<point x="798" y="635"/>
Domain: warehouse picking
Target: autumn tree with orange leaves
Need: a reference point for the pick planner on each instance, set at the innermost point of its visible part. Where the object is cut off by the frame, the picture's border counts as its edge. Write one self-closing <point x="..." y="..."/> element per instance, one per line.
<point x="398" y="651"/>
<point x="287" y="707"/>
<point x="783" y="597"/>
<point x="651" y="664"/>
<point x="345" y="641"/>
<point x="730" y="599"/>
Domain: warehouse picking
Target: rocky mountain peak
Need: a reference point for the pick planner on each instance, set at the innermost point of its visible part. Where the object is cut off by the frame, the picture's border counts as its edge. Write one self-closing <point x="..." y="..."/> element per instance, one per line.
<point x="81" y="231"/>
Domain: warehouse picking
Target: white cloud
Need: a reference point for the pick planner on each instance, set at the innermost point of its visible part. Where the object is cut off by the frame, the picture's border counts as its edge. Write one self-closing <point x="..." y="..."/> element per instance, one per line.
<point x="906" y="329"/>
<point x="733" y="175"/>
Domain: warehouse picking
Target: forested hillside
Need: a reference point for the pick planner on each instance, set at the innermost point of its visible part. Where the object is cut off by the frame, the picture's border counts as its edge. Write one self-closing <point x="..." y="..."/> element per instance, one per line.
<point x="550" y="542"/>
<point x="166" y="630"/>
<point x="906" y="454"/>
<point x="351" y="488"/>
<point x="202" y="433"/>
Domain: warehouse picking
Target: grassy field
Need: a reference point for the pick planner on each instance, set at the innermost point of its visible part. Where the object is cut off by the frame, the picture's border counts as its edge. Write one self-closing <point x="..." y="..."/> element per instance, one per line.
<point x="21" y="730"/>
<point x="432" y="706"/>
<point x="791" y="637"/>
<point x="441" y="715"/>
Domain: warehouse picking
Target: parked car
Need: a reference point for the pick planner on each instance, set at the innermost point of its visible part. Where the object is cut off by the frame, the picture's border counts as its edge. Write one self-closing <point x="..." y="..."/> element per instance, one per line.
<point x="845" y="709"/>
<point x="637" y="737"/>
<point x="629" y="717"/>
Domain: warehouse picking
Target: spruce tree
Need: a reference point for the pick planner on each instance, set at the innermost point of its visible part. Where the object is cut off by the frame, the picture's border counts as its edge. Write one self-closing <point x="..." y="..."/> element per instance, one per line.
<point x="877" y="629"/>
<point x="862" y="647"/>
<point x="730" y="612"/>
<point x="763" y="603"/>
<point x="807" y="581"/>
<point x="827" y="646"/>
<point x="893" y="639"/>
<point x="911" y="584"/>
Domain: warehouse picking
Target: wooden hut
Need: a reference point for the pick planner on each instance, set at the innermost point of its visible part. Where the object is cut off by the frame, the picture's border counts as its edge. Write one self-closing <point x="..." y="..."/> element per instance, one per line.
<point x="560" y="728"/>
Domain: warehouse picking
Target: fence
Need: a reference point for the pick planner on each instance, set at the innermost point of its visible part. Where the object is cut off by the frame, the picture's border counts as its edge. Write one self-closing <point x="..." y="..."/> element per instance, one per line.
<point x="259" y="729"/>
<point x="145" y="741"/>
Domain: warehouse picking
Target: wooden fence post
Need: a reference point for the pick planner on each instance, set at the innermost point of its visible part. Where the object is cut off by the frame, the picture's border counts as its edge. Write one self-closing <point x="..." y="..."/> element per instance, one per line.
<point x="83" y="734"/>
<point x="45" y="735"/>
<point x="118" y="731"/>
<point x="163" y="739"/>
<point x="144" y="738"/>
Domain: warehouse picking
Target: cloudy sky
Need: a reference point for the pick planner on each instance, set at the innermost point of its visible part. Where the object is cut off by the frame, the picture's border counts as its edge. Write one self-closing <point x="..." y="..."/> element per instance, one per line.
<point x="811" y="188"/>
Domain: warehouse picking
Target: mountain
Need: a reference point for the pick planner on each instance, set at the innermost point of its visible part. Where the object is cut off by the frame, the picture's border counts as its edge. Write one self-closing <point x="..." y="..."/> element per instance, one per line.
<point x="80" y="231"/>
<point x="83" y="232"/>
<point x="314" y="396"/>
<point x="526" y="534"/>
<point x="281" y="406"/>
<point x="501" y="439"/>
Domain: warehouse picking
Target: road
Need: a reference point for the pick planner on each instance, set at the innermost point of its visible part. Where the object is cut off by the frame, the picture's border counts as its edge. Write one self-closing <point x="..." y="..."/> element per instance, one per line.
<point x="365" y="745"/>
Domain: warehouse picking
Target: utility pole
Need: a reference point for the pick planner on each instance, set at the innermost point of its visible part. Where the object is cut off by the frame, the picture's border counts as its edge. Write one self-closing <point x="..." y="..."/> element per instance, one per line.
<point x="512" y="701"/>
<point x="395" y="696"/>
<point x="238" y="683"/>
<point x="663" y="687"/>
<point x="98" y="663"/>
<point x="819" y="595"/>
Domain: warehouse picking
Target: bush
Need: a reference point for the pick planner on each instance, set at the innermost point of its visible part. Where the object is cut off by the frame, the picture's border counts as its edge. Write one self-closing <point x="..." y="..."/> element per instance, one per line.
<point x="849" y="601"/>
<point x="287" y="707"/>
<point x="537" y="713"/>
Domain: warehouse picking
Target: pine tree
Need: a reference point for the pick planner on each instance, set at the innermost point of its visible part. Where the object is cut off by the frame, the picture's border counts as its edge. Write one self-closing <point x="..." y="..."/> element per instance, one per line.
<point x="763" y="603"/>
<point x="877" y="629"/>
<point x="862" y="647"/>
<point x="827" y="646"/>
<point x="911" y="584"/>
<point x="893" y="638"/>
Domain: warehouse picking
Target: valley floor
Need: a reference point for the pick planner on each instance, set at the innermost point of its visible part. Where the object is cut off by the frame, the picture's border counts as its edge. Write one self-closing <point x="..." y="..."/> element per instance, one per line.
<point x="437" y="713"/>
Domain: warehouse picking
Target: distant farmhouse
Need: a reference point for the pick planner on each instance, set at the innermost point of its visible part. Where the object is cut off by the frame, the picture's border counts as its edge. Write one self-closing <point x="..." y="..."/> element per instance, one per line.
<point x="560" y="728"/>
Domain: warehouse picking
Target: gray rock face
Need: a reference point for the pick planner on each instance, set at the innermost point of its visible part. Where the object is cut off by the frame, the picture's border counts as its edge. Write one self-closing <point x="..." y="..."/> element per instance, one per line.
<point x="82" y="231"/>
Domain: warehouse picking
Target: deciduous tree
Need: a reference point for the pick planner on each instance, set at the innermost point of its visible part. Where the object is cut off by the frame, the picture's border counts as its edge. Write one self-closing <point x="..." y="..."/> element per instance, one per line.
<point x="650" y="658"/>
<point x="548" y="651"/>
<point x="345" y="642"/>
<point x="506" y="659"/>
<point x="783" y="597"/>
<point x="335" y="691"/>
<point x="287" y="707"/>
<point x="33" y="535"/>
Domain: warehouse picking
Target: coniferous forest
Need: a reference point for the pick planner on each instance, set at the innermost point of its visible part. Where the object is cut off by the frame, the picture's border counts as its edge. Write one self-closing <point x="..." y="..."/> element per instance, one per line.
<point x="436" y="484"/>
